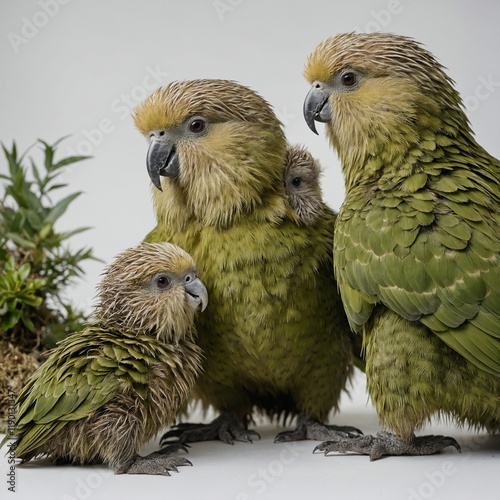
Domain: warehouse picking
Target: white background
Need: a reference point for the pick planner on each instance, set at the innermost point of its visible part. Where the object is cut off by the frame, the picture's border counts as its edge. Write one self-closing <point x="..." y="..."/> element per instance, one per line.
<point x="75" y="67"/>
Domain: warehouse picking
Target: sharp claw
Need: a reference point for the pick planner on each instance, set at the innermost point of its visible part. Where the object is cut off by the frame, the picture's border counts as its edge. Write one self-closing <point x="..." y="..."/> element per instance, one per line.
<point x="324" y="448"/>
<point x="155" y="463"/>
<point x="226" y="440"/>
<point x="180" y="462"/>
<point x="167" y="441"/>
<point x="248" y="437"/>
<point x="309" y="428"/>
<point x="187" y="426"/>
<point x="353" y="432"/>
<point x="224" y="428"/>
<point x="171" y="433"/>
<point x="453" y="442"/>
<point x="387" y="444"/>
<point x="178" y="430"/>
<point x="172" y="448"/>
<point x="320" y="447"/>
<point x="173" y="437"/>
<point x="445" y="441"/>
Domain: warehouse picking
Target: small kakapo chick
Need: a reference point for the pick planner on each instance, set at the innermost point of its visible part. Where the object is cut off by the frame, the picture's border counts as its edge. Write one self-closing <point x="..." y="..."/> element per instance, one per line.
<point x="302" y="184"/>
<point x="105" y="391"/>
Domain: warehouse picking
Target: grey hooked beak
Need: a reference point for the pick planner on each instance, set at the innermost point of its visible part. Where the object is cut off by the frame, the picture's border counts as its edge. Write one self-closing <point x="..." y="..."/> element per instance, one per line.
<point x="197" y="293"/>
<point x="316" y="106"/>
<point x="162" y="159"/>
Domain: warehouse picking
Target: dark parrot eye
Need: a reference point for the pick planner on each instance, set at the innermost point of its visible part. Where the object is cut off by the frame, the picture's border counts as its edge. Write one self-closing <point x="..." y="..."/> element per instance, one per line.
<point x="349" y="79"/>
<point x="162" y="281"/>
<point x="197" y="125"/>
<point x="296" y="181"/>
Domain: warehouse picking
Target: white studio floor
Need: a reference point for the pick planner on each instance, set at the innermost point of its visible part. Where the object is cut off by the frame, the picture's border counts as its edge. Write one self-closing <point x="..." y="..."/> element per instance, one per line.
<point x="264" y="470"/>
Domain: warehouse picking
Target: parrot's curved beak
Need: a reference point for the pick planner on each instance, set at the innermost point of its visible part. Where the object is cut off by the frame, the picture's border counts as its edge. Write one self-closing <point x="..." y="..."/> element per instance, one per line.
<point x="162" y="159"/>
<point x="197" y="293"/>
<point x="316" y="106"/>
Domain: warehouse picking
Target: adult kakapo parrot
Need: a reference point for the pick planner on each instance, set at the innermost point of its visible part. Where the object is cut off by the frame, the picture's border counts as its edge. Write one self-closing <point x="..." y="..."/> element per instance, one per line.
<point x="275" y="336"/>
<point x="417" y="240"/>
<point x="105" y="391"/>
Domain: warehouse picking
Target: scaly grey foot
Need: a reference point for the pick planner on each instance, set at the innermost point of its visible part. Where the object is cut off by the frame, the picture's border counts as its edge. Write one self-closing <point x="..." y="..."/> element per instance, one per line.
<point x="224" y="428"/>
<point x="387" y="444"/>
<point x="309" y="428"/>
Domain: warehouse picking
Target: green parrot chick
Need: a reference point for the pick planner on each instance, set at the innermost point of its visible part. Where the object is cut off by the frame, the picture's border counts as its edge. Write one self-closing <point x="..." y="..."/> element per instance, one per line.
<point x="302" y="184"/>
<point x="108" y="389"/>
<point x="417" y="240"/>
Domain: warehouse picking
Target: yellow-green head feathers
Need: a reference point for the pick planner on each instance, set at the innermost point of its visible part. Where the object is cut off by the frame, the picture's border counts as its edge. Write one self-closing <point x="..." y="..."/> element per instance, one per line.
<point x="223" y="150"/>
<point x="380" y="95"/>
<point x="381" y="55"/>
<point x="218" y="100"/>
<point x="147" y="289"/>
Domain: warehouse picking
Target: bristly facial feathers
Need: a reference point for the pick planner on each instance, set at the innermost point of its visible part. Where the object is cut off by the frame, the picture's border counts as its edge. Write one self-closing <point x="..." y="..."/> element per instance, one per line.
<point x="217" y="180"/>
<point x="398" y="92"/>
<point x="128" y="299"/>
<point x="381" y="55"/>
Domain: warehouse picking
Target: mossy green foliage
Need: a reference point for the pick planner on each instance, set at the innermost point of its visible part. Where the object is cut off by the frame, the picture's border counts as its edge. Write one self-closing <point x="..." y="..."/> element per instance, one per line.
<point x="36" y="262"/>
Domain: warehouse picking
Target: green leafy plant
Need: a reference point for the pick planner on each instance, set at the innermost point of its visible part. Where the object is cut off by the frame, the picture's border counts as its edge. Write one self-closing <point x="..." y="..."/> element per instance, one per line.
<point x="36" y="265"/>
<point x="17" y="294"/>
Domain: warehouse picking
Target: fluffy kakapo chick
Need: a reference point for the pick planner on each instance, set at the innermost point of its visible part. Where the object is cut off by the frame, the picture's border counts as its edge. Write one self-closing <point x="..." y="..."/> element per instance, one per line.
<point x="275" y="336"/>
<point x="105" y="391"/>
<point x="302" y="184"/>
<point x="417" y="240"/>
<point x="303" y="188"/>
